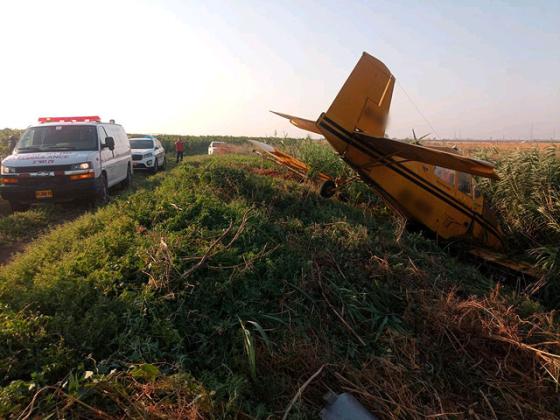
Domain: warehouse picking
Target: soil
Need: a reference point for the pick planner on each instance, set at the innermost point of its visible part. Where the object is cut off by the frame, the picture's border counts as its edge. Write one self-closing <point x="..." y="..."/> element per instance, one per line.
<point x="9" y="249"/>
<point x="277" y="174"/>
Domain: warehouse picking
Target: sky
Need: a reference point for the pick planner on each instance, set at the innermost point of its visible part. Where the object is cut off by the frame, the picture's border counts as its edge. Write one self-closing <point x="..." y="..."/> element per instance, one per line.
<point x="464" y="69"/>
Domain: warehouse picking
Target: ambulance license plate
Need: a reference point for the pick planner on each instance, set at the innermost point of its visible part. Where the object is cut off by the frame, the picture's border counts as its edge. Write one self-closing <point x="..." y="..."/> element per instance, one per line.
<point x="43" y="194"/>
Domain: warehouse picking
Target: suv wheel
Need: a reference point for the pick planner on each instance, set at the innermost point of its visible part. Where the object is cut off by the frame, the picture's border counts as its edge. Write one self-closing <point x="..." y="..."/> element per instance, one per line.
<point x="156" y="166"/>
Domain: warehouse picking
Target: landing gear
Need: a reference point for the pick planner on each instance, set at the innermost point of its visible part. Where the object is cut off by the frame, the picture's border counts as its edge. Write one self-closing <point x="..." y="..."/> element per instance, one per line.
<point x="328" y="189"/>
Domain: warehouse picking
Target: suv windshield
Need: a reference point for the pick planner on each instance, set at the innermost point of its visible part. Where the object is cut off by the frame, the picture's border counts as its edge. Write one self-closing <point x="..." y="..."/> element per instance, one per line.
<point x="141" y="144"/>
<point x="59" y="137"/>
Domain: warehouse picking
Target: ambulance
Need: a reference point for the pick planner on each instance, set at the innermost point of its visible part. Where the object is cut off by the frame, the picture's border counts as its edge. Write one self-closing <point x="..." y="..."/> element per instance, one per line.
<point x="66" y="158"/>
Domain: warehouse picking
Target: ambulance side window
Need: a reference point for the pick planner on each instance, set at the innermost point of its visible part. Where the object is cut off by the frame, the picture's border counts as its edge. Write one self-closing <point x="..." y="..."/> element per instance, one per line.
<point x="102" y="135"/>
<point x="29" y="138"/>
<point x="464" y="183"/>
<point x="122" y="139"/>
<point x="446" y="175"/>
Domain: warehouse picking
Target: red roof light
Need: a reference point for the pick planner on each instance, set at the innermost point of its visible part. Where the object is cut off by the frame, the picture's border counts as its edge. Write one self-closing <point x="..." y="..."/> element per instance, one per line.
<point x="93" y="118"/>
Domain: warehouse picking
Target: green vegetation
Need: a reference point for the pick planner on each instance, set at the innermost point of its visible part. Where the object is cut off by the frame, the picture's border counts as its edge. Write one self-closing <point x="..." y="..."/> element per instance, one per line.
<point x="24" y="225"/>
<point x="215" y="291"/>
<point x="527" y="201"/>
<point x="5" y="135"/>
<point x="198" y="145"/>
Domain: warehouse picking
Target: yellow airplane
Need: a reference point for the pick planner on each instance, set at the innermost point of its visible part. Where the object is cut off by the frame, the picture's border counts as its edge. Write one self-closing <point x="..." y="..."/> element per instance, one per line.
<point x="429" y="186"/>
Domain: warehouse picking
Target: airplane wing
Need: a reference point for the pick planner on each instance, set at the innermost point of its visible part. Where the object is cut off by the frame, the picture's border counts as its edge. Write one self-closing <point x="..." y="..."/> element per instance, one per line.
<point x="301" y="122"/>
<point x="284" y="159"/>
<point x="388" y="147"/>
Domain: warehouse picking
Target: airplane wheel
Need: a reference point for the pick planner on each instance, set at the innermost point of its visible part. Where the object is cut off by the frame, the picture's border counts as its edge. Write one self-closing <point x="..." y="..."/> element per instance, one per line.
<point x="328" y="189"/>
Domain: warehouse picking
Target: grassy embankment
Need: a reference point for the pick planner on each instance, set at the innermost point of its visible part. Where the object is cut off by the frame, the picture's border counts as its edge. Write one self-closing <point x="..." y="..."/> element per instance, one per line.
<point x="219" y="291"/>
<point x="20" y="228"/>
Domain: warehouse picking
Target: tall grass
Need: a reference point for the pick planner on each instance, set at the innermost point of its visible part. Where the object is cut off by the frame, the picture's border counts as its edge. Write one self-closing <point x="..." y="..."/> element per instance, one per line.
<point x="198" y="145"/>
<point x="527" y="199"/>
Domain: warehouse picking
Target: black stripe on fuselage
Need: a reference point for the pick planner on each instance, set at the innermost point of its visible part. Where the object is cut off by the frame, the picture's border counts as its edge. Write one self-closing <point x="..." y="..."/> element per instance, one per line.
<point x="408" y="174"/>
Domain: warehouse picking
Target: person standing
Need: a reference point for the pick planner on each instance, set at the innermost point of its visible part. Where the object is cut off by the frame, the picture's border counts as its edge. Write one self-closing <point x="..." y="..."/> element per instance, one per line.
<point x="179" y="150"/>
<point x="12" y="141"/>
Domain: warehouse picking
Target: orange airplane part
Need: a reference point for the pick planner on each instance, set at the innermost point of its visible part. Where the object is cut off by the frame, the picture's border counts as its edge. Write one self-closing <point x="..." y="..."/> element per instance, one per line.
<point x="284" y="159"/>
<point x="431" y="187"/>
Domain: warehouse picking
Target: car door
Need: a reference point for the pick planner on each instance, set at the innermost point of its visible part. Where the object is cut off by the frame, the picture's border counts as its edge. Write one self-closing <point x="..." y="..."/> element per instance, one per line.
<point x="121" y="155"/>
<point x="124" y="152"/>
<point x="160" y="152"/>
<point x="107" y="156"/>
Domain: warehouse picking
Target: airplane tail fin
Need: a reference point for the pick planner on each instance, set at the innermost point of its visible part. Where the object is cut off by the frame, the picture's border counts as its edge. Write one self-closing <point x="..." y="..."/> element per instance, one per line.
<point x="365" y="98"/>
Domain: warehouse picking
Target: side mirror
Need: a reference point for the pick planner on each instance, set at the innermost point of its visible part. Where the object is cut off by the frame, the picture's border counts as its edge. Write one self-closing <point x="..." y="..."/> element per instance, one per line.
<point x="110" y="143"/>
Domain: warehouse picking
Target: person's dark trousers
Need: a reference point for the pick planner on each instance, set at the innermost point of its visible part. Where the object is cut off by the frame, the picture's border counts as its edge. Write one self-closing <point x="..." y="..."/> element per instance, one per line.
<point x="179" y="157"/>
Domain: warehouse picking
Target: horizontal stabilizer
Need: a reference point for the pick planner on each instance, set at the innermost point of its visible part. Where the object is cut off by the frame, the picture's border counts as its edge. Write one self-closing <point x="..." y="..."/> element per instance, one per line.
<point x="388" y="147"/>
<point x="301" y="122"/>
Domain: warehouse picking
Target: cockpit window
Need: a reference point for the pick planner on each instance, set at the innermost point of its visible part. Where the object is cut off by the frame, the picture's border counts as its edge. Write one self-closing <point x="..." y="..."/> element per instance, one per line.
<point x="446" y="175"/>
<point x="476" y="191"/>
<point x="464" y="183"/>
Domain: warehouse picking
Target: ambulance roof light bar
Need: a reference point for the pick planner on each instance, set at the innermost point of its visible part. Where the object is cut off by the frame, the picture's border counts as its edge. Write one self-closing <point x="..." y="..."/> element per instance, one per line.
<point x="91" y="118"/>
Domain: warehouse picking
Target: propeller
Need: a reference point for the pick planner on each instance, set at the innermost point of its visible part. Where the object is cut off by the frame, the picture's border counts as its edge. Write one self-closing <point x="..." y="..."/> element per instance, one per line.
<point x="418" y="139"/>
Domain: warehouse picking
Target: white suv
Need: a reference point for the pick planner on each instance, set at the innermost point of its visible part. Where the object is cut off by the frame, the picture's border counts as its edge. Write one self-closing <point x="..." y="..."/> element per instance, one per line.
<point x="220" y="148"/>
<point x="66" y="158"/>
<point x="147" y="153"/>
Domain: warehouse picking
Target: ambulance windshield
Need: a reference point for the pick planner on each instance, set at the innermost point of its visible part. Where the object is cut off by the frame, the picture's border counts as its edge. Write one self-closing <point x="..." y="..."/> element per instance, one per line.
<point x="58" y="137"/>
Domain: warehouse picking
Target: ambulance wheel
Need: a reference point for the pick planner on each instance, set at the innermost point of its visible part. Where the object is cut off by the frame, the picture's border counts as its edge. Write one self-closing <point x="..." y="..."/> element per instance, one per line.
<point x="101" y="191"/>
<point x="127" y="183"/>
<point x="17" y="206"/>
<point x="328" y="189"/>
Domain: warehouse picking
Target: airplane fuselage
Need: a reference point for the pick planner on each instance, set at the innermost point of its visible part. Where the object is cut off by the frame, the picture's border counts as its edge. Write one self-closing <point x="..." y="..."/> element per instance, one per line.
<point x="445" y="201"/>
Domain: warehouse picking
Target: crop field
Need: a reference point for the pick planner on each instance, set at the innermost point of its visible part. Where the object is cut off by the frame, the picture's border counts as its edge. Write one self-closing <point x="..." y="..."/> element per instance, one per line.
<point x="225" y="287"/>
<point x="494" y="148"/>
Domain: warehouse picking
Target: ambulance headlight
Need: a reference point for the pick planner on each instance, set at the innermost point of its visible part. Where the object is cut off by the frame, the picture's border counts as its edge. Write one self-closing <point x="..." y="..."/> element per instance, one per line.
<point x="80" y="166"/>
<point x="8" y="170"/>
